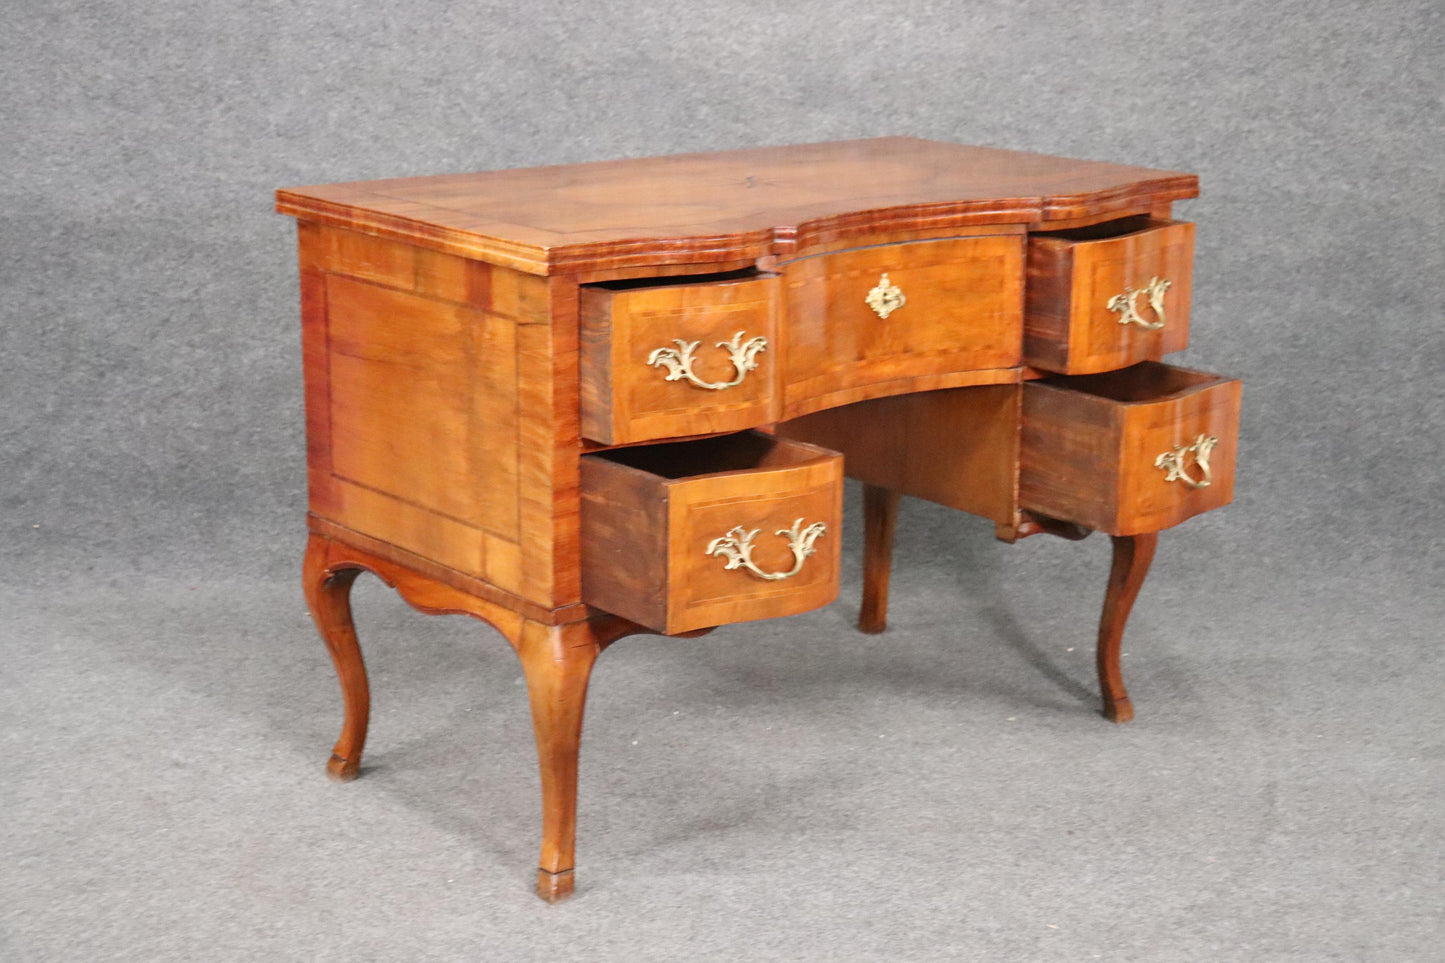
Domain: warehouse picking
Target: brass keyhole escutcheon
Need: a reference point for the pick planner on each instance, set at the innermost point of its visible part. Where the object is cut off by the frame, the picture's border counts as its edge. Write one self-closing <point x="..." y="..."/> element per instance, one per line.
<point x="885" y="298"/>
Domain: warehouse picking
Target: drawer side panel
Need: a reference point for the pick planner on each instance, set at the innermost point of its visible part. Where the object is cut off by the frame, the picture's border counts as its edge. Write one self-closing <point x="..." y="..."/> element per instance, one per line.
<point x="624" y="542"/>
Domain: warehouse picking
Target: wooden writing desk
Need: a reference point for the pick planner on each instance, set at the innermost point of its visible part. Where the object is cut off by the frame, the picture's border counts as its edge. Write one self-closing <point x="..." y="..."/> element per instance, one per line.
<point x="534" y="396"/>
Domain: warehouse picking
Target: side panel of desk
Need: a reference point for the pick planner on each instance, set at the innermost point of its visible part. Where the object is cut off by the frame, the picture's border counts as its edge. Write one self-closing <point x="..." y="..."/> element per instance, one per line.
<point x="434" y="418"/>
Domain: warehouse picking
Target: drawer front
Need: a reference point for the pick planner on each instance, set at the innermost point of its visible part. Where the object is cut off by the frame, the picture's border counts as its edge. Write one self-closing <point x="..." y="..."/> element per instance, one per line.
<point x="1130" y="451"/>
<point x="900" y="317"/>
<point x="749" y="528"/>
<point x="677" y="358"/>
<point x="1100" y="303"/>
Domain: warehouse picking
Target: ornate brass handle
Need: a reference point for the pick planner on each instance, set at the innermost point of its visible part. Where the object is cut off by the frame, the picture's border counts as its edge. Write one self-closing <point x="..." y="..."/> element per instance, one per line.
<point x="678" y="361"/>
<point x="737" y="547"/>
<point x="1125" y="305"/>
<point x="885" y="298"/>
<point x="1175" y="466"/>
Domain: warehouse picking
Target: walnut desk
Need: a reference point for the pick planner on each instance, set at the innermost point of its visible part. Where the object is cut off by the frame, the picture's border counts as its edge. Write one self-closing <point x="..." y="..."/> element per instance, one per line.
<point x="587" y="401"/>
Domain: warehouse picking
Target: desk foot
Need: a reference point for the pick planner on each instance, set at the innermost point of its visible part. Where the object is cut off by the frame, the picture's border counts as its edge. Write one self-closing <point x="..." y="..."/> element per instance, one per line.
<point x="1121" y="710"/>
<point x="880" y="518"/>
<point x="555" y="887"/>
<point x="1132" y="556"/>
<point x="342" y="770"/>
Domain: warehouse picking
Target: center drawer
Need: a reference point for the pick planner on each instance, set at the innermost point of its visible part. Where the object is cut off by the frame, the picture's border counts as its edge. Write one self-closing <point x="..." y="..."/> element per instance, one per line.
<point x="688" y="535"/>
<point x="912" y="316"/>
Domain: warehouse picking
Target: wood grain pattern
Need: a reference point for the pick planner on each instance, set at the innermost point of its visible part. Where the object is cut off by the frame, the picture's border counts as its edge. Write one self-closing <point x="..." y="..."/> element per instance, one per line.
<point x="411" y="400"/>
<point x="432" y="570"/>
<point x="548" y="437"/>
<point x="1132" y="555"/>
<point x="328" y="555"/>
<point x="699" y="208"/>
<point x="422" y="406"/>
<point x="963" y="313"/>
<point x="316" y="368"/>
<point x="1089" y="445"/>
<point x="442" y="409"/>
<point x="1072" y="275"/>
<point x="626" y="400"/>
<point x="958" y="447"/>
<point x="649" y="514"/>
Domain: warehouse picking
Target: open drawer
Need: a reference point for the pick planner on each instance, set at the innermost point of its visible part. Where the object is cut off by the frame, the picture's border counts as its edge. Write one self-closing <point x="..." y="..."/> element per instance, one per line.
<point x="1106" y="296"/>
<point x="686" y="355"/>
<point x="1129" y="451"/>
<point x="692" y="534"/>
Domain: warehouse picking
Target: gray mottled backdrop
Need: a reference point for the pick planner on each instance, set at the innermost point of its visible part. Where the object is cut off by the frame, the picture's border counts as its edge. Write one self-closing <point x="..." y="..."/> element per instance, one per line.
<point x="165" y="707"/>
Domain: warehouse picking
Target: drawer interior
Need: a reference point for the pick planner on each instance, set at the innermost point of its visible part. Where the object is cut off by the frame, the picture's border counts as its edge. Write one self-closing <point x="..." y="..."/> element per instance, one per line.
<point x="1147" y="381"/>
<point x="748" y="451"/>
<point x="675" y="280"/>
<point x="1106" y="230"/>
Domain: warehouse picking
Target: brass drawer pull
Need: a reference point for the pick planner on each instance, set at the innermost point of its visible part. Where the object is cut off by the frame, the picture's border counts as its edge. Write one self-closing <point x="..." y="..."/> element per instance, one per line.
<point x="885" y="298"/>
<point x="678" y="361"/>
<point x="1125" y="306"/>
<point x="1173" y="462"/>
<point x="737" y="547"/>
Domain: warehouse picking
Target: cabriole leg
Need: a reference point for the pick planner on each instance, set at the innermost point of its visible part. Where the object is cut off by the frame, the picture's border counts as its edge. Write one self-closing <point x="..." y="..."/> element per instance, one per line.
<point x="557" y="661"/>
<point x="1132" y="555"/>
<point x="328" y="596"/>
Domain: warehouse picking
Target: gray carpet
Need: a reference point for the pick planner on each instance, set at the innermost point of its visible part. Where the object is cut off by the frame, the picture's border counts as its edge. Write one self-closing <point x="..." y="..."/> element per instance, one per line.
<point x="789" y="790"/>
<point x="784" y="790"/>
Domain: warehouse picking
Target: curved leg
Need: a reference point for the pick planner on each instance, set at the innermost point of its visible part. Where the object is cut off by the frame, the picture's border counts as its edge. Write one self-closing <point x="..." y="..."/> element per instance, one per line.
<point x="557" y="661"/>
<point x="328" y="596"/>
<point x="1132" y="555"/>
<point x="880" y="516"/>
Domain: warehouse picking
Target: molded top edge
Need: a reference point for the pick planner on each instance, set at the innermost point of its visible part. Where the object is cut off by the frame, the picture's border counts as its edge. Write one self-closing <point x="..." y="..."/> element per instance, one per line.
<point x="686" y="208"/>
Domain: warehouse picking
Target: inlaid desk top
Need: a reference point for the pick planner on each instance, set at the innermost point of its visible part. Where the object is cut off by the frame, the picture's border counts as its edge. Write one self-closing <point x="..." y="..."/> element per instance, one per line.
<point x="730" y="204"/>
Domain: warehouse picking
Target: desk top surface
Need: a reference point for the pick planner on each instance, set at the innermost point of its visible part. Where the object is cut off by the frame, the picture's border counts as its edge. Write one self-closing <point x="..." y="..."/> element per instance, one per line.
<point x="730" y="204"/>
